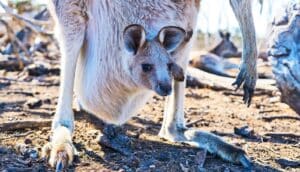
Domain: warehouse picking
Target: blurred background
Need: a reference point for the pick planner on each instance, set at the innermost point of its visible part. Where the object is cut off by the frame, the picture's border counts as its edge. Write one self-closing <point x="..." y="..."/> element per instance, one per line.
<point x="216" y="15"/>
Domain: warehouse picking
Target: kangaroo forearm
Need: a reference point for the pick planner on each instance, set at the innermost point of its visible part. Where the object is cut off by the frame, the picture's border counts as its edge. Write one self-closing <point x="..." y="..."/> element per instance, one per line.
<point x="243" y="12"/>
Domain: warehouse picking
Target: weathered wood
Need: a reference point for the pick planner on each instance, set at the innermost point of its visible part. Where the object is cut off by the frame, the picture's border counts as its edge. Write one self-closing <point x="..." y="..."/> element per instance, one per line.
<point x="293" y="135"/>
<point x="284" y="47"/>
<point x="15" y="125"/>
<point x="271" y="118"/>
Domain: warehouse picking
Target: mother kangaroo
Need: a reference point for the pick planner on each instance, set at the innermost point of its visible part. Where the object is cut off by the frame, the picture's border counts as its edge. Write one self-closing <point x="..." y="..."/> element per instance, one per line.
<point x="116" y="53"/>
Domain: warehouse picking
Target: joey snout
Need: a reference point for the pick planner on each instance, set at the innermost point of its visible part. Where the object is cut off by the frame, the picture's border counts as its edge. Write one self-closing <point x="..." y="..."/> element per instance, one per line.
<point x="163" y="88"/>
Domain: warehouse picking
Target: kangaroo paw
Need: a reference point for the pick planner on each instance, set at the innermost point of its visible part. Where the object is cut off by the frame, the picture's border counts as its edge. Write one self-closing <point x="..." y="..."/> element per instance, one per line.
<point x="114" y="138"/>
<point x="216" y="145"/>
<point x="60" y="151"/>
<point x="248" y="76"/>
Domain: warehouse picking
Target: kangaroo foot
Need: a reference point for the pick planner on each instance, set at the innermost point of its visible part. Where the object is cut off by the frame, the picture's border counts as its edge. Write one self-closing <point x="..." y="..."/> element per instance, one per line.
<point x="60" y="151"/>
<point x="113" y="137"/>
<point x="212" y="143"/>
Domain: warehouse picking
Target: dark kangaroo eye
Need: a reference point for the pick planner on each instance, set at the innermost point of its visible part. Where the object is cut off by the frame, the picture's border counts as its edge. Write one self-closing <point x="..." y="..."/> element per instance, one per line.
<point x="147" y="67"/>
<point x="170" y="65"/>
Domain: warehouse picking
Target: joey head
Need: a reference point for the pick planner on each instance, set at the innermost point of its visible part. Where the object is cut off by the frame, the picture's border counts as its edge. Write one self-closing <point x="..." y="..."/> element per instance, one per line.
<point x="151" y="64"/>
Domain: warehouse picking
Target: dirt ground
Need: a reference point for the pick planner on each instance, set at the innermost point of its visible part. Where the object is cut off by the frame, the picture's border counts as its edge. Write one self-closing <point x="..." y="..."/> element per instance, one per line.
<point x="274" y="144"/>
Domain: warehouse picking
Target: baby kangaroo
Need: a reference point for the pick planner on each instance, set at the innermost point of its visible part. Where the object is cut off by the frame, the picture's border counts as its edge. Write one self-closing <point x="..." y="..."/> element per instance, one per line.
<point x="116" y="54"/>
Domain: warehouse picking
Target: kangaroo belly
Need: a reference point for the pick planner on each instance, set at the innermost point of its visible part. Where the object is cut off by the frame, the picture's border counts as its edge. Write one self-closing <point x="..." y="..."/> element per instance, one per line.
<point x="103" y="84"/>
<point x="103" y="93"/>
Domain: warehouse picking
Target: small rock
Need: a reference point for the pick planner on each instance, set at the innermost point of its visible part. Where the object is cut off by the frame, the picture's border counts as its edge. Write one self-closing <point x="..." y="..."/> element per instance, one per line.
<point x="28" y="141"/>
<point x="152" y="166"/>
<point x="38" y="69"/>
<point x="34" y="103"/>
<point x="245" y="132"/>
<point x="47" y="101"/>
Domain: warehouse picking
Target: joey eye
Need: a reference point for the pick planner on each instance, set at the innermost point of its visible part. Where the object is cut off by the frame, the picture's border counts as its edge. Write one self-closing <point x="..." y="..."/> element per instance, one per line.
<point x="170" y="65"/>
<point x="147" y="67"/>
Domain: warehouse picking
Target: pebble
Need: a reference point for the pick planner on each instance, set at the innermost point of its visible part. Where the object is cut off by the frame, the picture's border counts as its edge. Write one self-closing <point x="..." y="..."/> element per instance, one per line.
<point x="27" y="141"/>
<point x="152" y="166"/>
<point x="34" y="103"/>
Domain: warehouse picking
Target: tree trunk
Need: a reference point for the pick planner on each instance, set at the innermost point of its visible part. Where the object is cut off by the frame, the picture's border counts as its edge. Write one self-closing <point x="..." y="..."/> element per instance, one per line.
<point x="284" y="47"/>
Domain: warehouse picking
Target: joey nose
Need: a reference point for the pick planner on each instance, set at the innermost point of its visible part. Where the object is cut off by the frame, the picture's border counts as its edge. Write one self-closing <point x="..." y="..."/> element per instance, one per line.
<point x="164" y="89"/>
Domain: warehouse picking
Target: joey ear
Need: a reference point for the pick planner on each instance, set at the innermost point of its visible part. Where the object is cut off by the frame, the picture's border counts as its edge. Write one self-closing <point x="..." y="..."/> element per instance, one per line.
<point x="221" y="34"/>
<point x="177" y="72"/>
<point x="134" y="37"/>
<point x="227" y="35"/>
<point x="171" y="37"/>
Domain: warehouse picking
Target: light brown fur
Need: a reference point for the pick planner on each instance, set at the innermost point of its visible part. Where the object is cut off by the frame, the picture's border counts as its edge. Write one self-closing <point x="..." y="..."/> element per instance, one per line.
<point x="110" y="81"/>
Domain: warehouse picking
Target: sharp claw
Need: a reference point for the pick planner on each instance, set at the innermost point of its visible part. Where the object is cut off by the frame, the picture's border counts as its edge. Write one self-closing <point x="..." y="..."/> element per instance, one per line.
<point x="237" y="83"/>
<point x="239" y="80"/>
<point x="59" y="166"/>
<point x="247" y="86"/>
<point x="248" y="94"/>
<point x="61" y="162"/>
<point x="246" y="162"/>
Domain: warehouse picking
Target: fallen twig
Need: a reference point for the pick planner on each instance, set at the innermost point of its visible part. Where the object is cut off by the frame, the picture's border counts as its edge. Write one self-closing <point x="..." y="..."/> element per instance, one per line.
<point x="18" y="135"/>
<point x="15" y="39"/>
<point x="271" y="118"/>
<point x="194" y="122"/>
<point x="222" y="134"/>
<point x="42" y="83"/>
<point x="15" y="125"/>
<point x="293" y="135"/>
